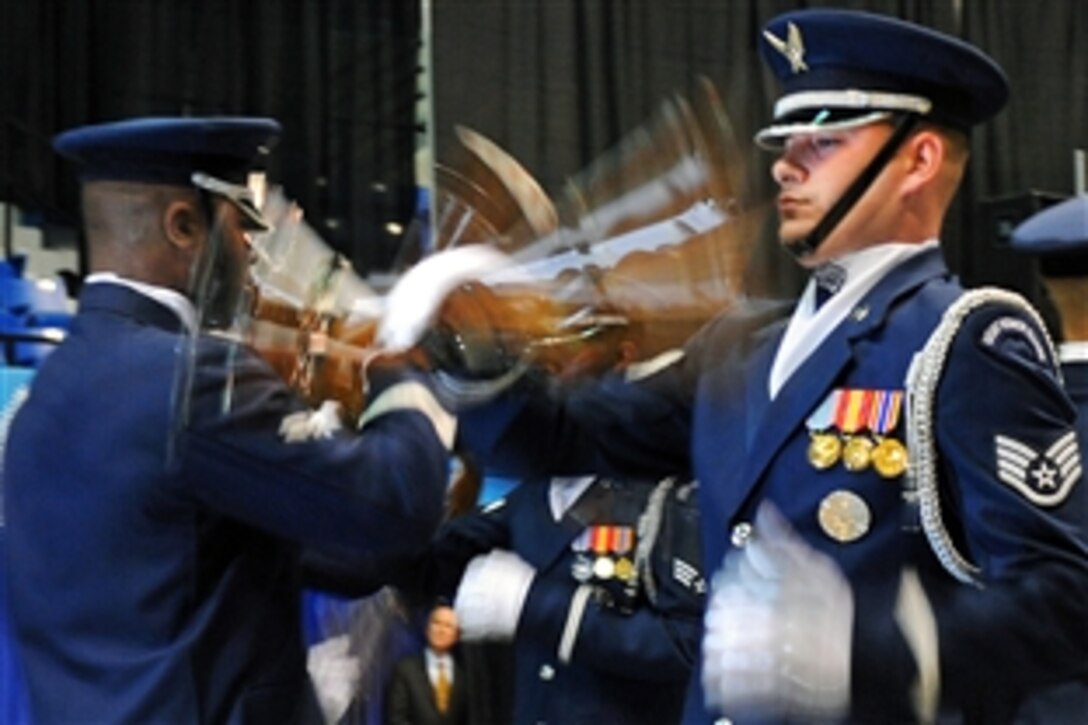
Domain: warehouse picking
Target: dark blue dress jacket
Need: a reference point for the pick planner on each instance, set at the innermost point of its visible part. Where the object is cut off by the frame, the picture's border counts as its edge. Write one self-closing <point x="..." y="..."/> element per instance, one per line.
<point x="710" y="413"/>
<point x="1067" y="703"/>
<point x="155" y="573"/>
<point x="630" y="652"/>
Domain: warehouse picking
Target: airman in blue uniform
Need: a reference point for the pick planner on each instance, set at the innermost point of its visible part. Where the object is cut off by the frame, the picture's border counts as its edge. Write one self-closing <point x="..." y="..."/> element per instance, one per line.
<point x="155" y="538"/>
<point x="598" y="585"/>
<point x="889" y="481"/>
<point x="1058" y="238"/>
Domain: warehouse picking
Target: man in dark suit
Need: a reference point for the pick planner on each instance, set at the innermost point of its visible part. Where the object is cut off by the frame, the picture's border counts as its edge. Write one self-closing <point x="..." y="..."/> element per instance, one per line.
<point x="158" y="487"/>
<point x="430" y="688"/>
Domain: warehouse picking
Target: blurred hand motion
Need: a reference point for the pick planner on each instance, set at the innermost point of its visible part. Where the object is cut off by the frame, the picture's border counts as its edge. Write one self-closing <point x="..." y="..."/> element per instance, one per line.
<point x="634" y="254"/>
<point x="778" y="628"/>
<point x="653" y="238"/>
<point x="308" y="312"/>
<point x="335" y="670"/>
<point x="416" y="299"/>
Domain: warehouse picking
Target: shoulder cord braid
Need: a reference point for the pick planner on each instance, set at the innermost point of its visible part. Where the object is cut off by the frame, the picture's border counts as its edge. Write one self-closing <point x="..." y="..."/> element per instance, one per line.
<point x="6" y="416"/>
<point x="649" y="524"/>
<point x="923" y="377"/>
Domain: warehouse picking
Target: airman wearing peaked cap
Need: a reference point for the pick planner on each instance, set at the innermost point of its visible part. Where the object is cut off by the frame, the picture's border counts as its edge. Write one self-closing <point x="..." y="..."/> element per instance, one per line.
<point x="215" y="154"/>
<point x="192" y="477"/>
<point x="843" y="69"/>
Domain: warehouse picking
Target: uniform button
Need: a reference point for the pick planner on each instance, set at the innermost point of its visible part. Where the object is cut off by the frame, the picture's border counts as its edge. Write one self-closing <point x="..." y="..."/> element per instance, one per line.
<point x="547" y="672"/>
<point x="723" y="721"/>
<point x="740" y="534"/>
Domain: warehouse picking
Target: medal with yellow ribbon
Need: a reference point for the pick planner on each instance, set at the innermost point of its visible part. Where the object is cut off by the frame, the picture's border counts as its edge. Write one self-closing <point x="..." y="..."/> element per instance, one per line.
<point x="852" y="426"/>
<point x="857" y="453"/>
<point x="611" y="544"/>
<point x="852" y="418"/>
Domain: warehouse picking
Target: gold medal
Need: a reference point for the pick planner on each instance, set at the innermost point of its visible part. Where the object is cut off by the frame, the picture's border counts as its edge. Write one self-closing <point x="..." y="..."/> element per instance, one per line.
<point x="625" y="569"/>
<point x="844" y="516"/>
<point x="857" y="453"/>
<point x="890" y="458"/>
<point x="824" y="450"/>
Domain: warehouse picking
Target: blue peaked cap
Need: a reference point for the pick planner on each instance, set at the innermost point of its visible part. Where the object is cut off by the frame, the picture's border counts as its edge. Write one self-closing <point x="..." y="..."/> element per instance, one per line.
<point x="1058" y="235"/>
<point x="215" y="153"/>
<point x="841" y="68"/>
<point x="169" y="150"/>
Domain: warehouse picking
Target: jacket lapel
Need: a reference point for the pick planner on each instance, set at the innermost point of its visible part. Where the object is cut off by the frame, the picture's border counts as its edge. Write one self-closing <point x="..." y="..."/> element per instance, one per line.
<point x="542" y="539"/>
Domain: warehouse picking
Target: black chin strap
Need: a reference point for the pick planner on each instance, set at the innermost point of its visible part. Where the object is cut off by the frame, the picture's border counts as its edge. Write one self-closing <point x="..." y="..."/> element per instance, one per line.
<point x="806" y="246"/>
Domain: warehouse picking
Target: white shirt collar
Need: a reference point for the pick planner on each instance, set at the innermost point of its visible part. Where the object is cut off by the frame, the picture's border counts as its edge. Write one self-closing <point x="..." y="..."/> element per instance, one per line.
<point x="175" y="301"/>
<point x="431" y="658"/>
<point x="564" y="491"/>
<point x="808" y="327"/>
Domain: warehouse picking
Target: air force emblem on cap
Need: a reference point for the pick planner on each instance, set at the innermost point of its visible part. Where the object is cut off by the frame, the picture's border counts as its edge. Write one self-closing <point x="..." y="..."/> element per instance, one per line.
<point x="840" y="69"/>
<point x="1043" y="477"/>
<point x="793" y="47"/>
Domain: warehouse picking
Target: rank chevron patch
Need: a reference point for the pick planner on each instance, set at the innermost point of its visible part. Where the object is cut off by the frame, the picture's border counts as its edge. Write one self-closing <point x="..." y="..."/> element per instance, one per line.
<point x="1043" y="477"/>
<point x="688" y="575"/>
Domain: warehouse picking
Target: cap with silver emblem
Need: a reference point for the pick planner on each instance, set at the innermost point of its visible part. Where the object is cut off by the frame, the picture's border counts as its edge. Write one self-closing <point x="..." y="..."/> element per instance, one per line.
<point x="842" y="69"/>
<point x="215" y="154"/>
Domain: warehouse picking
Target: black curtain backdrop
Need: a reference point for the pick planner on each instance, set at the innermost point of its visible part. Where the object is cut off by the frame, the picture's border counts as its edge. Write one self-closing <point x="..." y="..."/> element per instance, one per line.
<point x="555" y="82"/>
<point x="558" y="82"/>
<point x="340" y="75"/>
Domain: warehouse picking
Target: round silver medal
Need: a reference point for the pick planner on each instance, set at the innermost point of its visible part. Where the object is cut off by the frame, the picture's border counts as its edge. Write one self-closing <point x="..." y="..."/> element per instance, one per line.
<point x="844" y="516"/>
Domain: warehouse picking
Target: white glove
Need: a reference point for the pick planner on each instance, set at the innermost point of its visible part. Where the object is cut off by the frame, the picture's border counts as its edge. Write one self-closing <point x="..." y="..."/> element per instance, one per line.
<point x="336" y="675"/>
<point x="417" y="296"/>
<point x="779" y="626"/>
<point x="491" y="595"/>
<point x="308" y="425"/>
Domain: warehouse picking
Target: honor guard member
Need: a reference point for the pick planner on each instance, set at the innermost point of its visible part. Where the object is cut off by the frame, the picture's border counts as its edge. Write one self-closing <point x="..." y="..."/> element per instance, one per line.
<point x="891" y="477"/>
<point x="1058" y="238"/>
<point x="910" y="461"/>
<point x="599" y="586"/>
<point x="154" y="564"/>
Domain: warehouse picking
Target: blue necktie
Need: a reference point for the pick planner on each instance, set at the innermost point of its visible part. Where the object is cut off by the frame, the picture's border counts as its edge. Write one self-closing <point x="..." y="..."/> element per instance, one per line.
<point x="829" y="279"/>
